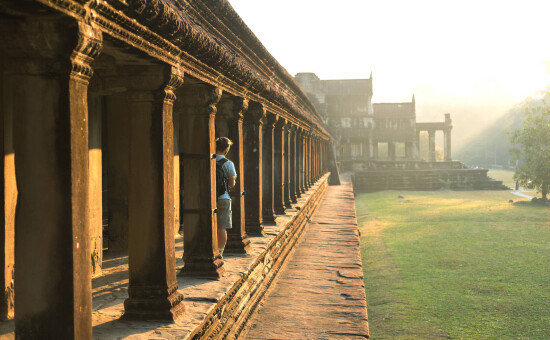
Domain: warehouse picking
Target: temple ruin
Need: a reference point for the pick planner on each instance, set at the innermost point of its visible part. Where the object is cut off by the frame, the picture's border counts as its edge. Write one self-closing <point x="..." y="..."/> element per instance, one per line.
<point x="380" y="142"/>
<point x="110" y="109"/>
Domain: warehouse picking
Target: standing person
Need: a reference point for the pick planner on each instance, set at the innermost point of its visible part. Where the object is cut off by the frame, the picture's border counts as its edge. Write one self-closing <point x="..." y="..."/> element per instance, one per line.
<point x="226" y="177"/>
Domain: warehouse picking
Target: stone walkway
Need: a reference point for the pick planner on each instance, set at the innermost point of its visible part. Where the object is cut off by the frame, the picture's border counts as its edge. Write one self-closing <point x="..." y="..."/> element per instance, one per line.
<point x="320" y="294"/>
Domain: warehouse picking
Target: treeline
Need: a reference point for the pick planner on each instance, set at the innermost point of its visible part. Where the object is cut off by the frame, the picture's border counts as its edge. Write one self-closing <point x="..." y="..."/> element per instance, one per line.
<point x="491" y="147"/>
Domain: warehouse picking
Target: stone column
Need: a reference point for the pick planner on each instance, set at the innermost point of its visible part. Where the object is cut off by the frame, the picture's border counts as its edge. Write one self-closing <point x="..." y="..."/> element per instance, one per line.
<point x="230" y="117"/>
<point x="292" y="171"/>
<point x="371" y="149"/>
<point x="375" y="150"/>
<point x="279" y="162"/>
<point x="197" y="106"/>
<point x="409" y="150"/>
<point x="152" y="288"/>
<point x="313" y="158"/>
<point x="415" y="150"/>
<point x="253" y="133"/>
<point x="448" y="156"/>
<point x="268" y="169"/>
<point x="95" y="185"/>
<point x="50" y="139"/>
<point x="418" y="143"/>
<point x="431" y="149"/>
<point x="286" y="155"/>
<point x="307" y="158"/>
<point x="318" y="162"/>
<point x="177" y="173"/>
<point x="8" y="189"/>
<point x="391" y="150"/>
<point x="116" y="151"/>
<point x="299" y="162"/>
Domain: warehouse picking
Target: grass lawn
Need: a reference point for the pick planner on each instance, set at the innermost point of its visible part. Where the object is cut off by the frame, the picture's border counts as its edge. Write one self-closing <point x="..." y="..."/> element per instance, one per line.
<point x="458" y="265"/>
<point x="506" y="176"/>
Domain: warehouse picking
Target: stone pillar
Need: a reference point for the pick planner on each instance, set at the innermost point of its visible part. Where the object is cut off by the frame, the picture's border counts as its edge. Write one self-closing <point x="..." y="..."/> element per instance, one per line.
<point x="371" y="149"/>
<point x="448" y="156"/>
<point x="197" y="106"/>
<point x="253" y="133"/>
<point x="409" y="150"/>
<point x="8" y="189"/>
<point x="286" y="155"/>
<point x="415" y="150"/>
<point x="314" y="155"/>
<point x="299" y="163"/>
<point x="177" y="174"/>
<point x="292" y="171"/>
<point x="279" y="162"/>
<point x="391" y="150"/>
<point x="318" y="163"/>
<point x="418" y="144"/>
<point x="268" y="169"/>
<point x="95" y="182"/>
<point x="431" y="149"/>
<point x="307" y="159"/>
<point x="116" y="151"/>
<point x="152" y="288"/>
<point x="50" y="139"/>
<point x="229" y="122"/>
<point x="375" y="150"/>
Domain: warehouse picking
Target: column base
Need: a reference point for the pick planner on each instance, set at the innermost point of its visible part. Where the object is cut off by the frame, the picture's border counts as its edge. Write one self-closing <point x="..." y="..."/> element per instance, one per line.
<point x="288" y="204"/>
<point x="255" y="228"/>
<point x="294" y="198"/>
<point x="157" y="308"/>
<point x="269" y="216"/>
<point x="280" y="210"/>
<point x="211" y="268"/>
<point x="237" y="244"/>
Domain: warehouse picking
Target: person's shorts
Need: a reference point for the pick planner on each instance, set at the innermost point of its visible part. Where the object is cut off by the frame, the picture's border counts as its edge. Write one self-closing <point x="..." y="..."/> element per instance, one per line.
<point x="224" y="214"/>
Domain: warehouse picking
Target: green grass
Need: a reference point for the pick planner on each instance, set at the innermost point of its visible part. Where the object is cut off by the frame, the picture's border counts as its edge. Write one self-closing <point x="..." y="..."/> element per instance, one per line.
<point x="455" y="265"/>
<point x="507" y="178"/>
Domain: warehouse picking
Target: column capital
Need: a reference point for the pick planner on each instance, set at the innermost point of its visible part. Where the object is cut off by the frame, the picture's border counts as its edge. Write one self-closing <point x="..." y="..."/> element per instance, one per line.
<point x="213" y="97"/>
<point x="292" y="128"/>
<point x="281" y="124"/>
<point x="255" y="114"/>
<point x="175" y="80"/>
<point x="271" y="119"/>
<point x="89" y="45"/>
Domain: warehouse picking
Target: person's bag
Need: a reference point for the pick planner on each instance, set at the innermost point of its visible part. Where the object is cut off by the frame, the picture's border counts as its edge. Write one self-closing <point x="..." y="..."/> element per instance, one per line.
<point x="221" y="180"/>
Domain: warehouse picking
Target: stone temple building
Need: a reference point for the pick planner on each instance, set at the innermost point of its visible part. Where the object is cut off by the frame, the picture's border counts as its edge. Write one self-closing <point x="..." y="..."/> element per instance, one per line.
<point x="380" y="142"/>
<point x="109" y="112"/>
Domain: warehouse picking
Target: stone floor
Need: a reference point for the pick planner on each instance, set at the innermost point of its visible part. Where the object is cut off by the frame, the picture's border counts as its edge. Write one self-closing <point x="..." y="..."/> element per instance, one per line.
<point x="320" y="294"/>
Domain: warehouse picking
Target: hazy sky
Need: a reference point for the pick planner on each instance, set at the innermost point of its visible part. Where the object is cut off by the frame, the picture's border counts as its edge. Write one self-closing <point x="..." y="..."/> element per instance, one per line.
<point x="470" y="58"/>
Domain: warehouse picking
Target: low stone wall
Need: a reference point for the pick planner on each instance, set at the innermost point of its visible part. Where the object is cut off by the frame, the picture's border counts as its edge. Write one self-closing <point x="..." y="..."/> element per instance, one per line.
<point x="428" y="179"/>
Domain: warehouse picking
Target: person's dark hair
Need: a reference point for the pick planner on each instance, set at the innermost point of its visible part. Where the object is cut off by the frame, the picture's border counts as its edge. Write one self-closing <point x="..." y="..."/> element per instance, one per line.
<point x="223" y="143"/>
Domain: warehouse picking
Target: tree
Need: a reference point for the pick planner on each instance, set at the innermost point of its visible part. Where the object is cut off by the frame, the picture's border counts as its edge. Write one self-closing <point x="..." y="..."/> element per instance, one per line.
<point x="531" y="149"/>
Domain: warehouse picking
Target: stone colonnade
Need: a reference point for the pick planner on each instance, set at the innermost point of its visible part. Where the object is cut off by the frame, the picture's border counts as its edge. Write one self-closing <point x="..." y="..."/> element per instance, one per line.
<point x="150" y="129"/>
<point x="431" y="144"/>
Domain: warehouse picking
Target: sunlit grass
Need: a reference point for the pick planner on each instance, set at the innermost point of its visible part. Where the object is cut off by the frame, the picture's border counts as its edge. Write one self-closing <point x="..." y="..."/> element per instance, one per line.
<point x="460" y="265"/>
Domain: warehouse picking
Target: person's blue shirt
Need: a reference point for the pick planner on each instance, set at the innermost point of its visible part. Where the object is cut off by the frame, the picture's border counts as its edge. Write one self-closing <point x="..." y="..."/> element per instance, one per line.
<point x="229" y="171"/>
